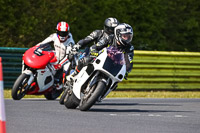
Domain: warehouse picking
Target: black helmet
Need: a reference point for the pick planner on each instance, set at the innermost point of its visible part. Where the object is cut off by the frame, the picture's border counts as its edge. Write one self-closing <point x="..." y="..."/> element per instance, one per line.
<point x="123" y="33"/>
<point x="110" y="24"/>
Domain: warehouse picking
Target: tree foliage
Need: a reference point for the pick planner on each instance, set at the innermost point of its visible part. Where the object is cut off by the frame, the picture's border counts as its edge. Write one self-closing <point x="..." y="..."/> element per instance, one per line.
<point x="157" y="24"/>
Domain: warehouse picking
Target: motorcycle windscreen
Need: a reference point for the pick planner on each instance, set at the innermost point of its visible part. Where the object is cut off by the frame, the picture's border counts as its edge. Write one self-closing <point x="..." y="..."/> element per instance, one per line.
<point x="114" y="61"/>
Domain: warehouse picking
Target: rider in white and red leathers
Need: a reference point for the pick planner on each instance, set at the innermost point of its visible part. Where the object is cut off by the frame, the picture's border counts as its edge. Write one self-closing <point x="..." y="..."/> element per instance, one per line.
<point x="62" y="41"/>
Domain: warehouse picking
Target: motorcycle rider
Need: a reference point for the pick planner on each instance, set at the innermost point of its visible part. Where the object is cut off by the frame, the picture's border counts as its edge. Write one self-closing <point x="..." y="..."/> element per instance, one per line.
<point x="99" y="36"/>
<point x="61" y="40"/>
<point x="123" y="35"/>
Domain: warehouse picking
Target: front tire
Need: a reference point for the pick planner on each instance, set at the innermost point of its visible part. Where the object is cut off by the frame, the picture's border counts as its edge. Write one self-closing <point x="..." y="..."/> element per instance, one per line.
<point x="71" y="101"/>
<point x="20" y="87"/>
<point x="91" y="96"/>
<point x="61" y="101"/>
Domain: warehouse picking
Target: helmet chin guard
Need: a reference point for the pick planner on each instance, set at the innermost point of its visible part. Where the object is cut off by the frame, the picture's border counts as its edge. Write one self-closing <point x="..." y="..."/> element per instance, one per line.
<point x="62" y="39"/>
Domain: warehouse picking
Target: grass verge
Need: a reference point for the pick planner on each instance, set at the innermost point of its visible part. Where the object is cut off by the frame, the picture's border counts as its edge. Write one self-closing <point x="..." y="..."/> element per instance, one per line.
<point x="134" y="94"/>
<point x="155" y="94"/>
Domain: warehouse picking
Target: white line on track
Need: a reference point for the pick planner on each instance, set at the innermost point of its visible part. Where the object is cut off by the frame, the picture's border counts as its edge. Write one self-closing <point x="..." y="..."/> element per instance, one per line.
<point x="150" y="115"/>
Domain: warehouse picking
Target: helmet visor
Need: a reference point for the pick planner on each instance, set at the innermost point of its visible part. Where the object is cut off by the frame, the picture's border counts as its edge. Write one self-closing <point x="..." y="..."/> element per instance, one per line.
<point x="127" y="37"/>
<point x="109" y="30"/>
<point x="62" y="33"/>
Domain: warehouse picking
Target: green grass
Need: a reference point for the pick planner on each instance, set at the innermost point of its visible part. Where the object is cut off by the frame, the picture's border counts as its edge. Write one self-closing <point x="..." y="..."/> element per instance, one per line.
<point x="134" y="94"/>
<point x="155" y="94"/>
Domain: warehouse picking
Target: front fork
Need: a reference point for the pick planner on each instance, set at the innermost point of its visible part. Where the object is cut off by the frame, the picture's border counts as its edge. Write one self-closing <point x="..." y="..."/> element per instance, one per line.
<point x="107" y="82"/>
<point x="96" y="79"/>
<point x="30" y="73"/>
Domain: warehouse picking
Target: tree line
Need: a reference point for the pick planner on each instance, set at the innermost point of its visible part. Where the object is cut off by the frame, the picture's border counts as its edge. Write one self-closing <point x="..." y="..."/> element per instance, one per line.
<point x="164" y="25"/>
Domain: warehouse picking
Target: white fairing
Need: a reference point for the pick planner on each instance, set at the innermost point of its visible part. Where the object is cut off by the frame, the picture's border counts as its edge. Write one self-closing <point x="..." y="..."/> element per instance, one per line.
<point x="98" y="66"/>
<point x="81" y="78"/>
<point x="42" y="76"/>
<point x="102" y="57"/>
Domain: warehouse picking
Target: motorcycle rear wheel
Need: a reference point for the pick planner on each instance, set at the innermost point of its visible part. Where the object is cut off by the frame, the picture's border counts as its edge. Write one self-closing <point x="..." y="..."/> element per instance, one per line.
<point x="20" y="87"/>
<point x="91" y="97"/>
<point x="53" y="94"/>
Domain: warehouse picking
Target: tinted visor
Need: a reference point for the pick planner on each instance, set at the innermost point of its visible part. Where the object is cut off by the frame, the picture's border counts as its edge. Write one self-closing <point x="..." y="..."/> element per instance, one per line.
<point x="109" y="30"/>
<point x="62" y="33"/>
<point x="127" y="37"/>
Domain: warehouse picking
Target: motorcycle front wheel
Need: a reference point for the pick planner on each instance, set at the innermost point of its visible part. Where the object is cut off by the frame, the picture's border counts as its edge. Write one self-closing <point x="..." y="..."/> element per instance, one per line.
<point x="70" y="100"/>
<point x="20" y="87"/>
<point x="61" y="100"/>
<point x="66" y="89"/>
<point x="91" y="96"/>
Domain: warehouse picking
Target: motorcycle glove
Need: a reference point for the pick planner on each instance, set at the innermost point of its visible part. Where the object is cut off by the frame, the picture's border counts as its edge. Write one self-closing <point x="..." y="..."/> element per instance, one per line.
<point x="126" y="75"/>
<point x="76" y="47"/>
<point x="38" y="52"/>
<point x="94" y="52"/>
<point x="57" y="66"/>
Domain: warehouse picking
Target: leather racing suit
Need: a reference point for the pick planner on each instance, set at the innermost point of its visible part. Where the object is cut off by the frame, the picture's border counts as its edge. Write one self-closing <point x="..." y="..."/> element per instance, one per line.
<point x="98" y="37"/>
<point x="61" y="48"/>
<point x="105" y="42"/>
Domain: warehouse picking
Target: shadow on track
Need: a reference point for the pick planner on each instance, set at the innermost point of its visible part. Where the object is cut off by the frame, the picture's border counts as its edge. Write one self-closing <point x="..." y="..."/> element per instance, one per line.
<point x="133" y="104"/>
<point x="119" y="107"/>
<point x="134" y="110"/>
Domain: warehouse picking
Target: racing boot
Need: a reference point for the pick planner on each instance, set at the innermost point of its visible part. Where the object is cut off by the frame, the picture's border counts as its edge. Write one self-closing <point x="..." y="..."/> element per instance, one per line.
<point x="58" y="84"/>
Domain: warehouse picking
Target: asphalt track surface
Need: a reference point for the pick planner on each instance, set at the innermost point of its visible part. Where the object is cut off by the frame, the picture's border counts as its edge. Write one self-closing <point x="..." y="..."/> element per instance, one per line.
<point x="111" y="116"/>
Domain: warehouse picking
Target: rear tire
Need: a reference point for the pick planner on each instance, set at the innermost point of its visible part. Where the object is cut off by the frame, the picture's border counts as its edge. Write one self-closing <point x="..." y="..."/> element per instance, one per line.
<point x="53" y="94"/>
<point x="20" y="87"/>
<point x="90" y="98"/>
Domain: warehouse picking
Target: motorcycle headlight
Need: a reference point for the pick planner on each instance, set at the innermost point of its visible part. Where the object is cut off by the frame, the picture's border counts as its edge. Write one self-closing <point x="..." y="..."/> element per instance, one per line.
<point x="120" y="76"/>
<point x="98" y="61"/>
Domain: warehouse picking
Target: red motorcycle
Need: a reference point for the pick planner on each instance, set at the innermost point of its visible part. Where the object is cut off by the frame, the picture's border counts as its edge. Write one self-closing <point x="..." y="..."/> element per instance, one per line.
<point x="37" y="77"/>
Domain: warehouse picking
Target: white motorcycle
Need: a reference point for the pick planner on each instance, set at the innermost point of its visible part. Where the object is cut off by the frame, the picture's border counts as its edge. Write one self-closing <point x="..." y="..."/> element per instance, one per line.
<point x="96" y="80"/>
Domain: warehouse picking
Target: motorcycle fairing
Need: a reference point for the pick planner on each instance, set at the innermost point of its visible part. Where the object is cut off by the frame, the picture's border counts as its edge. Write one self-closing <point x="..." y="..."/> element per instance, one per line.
<point x="49" y="79"/>
<point x="108" y="69"/>
<point x="81" y="79"/>
<point x="98" y="65"/>
<point x="38" y="62"/>
<point x="109" y="65"/>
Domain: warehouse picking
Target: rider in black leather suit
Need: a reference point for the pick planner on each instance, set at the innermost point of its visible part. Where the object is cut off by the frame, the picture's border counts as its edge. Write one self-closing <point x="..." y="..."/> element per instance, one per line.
<point x="103" y="40"/>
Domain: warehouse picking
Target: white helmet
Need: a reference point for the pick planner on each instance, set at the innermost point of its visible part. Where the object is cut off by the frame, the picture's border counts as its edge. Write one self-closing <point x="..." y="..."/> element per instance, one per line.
<point x="123" y="33"/>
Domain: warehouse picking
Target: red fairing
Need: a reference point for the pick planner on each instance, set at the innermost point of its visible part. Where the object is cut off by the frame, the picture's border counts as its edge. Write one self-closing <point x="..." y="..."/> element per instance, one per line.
<point x="35" y="90"/>
<point x="38" y="62"/>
